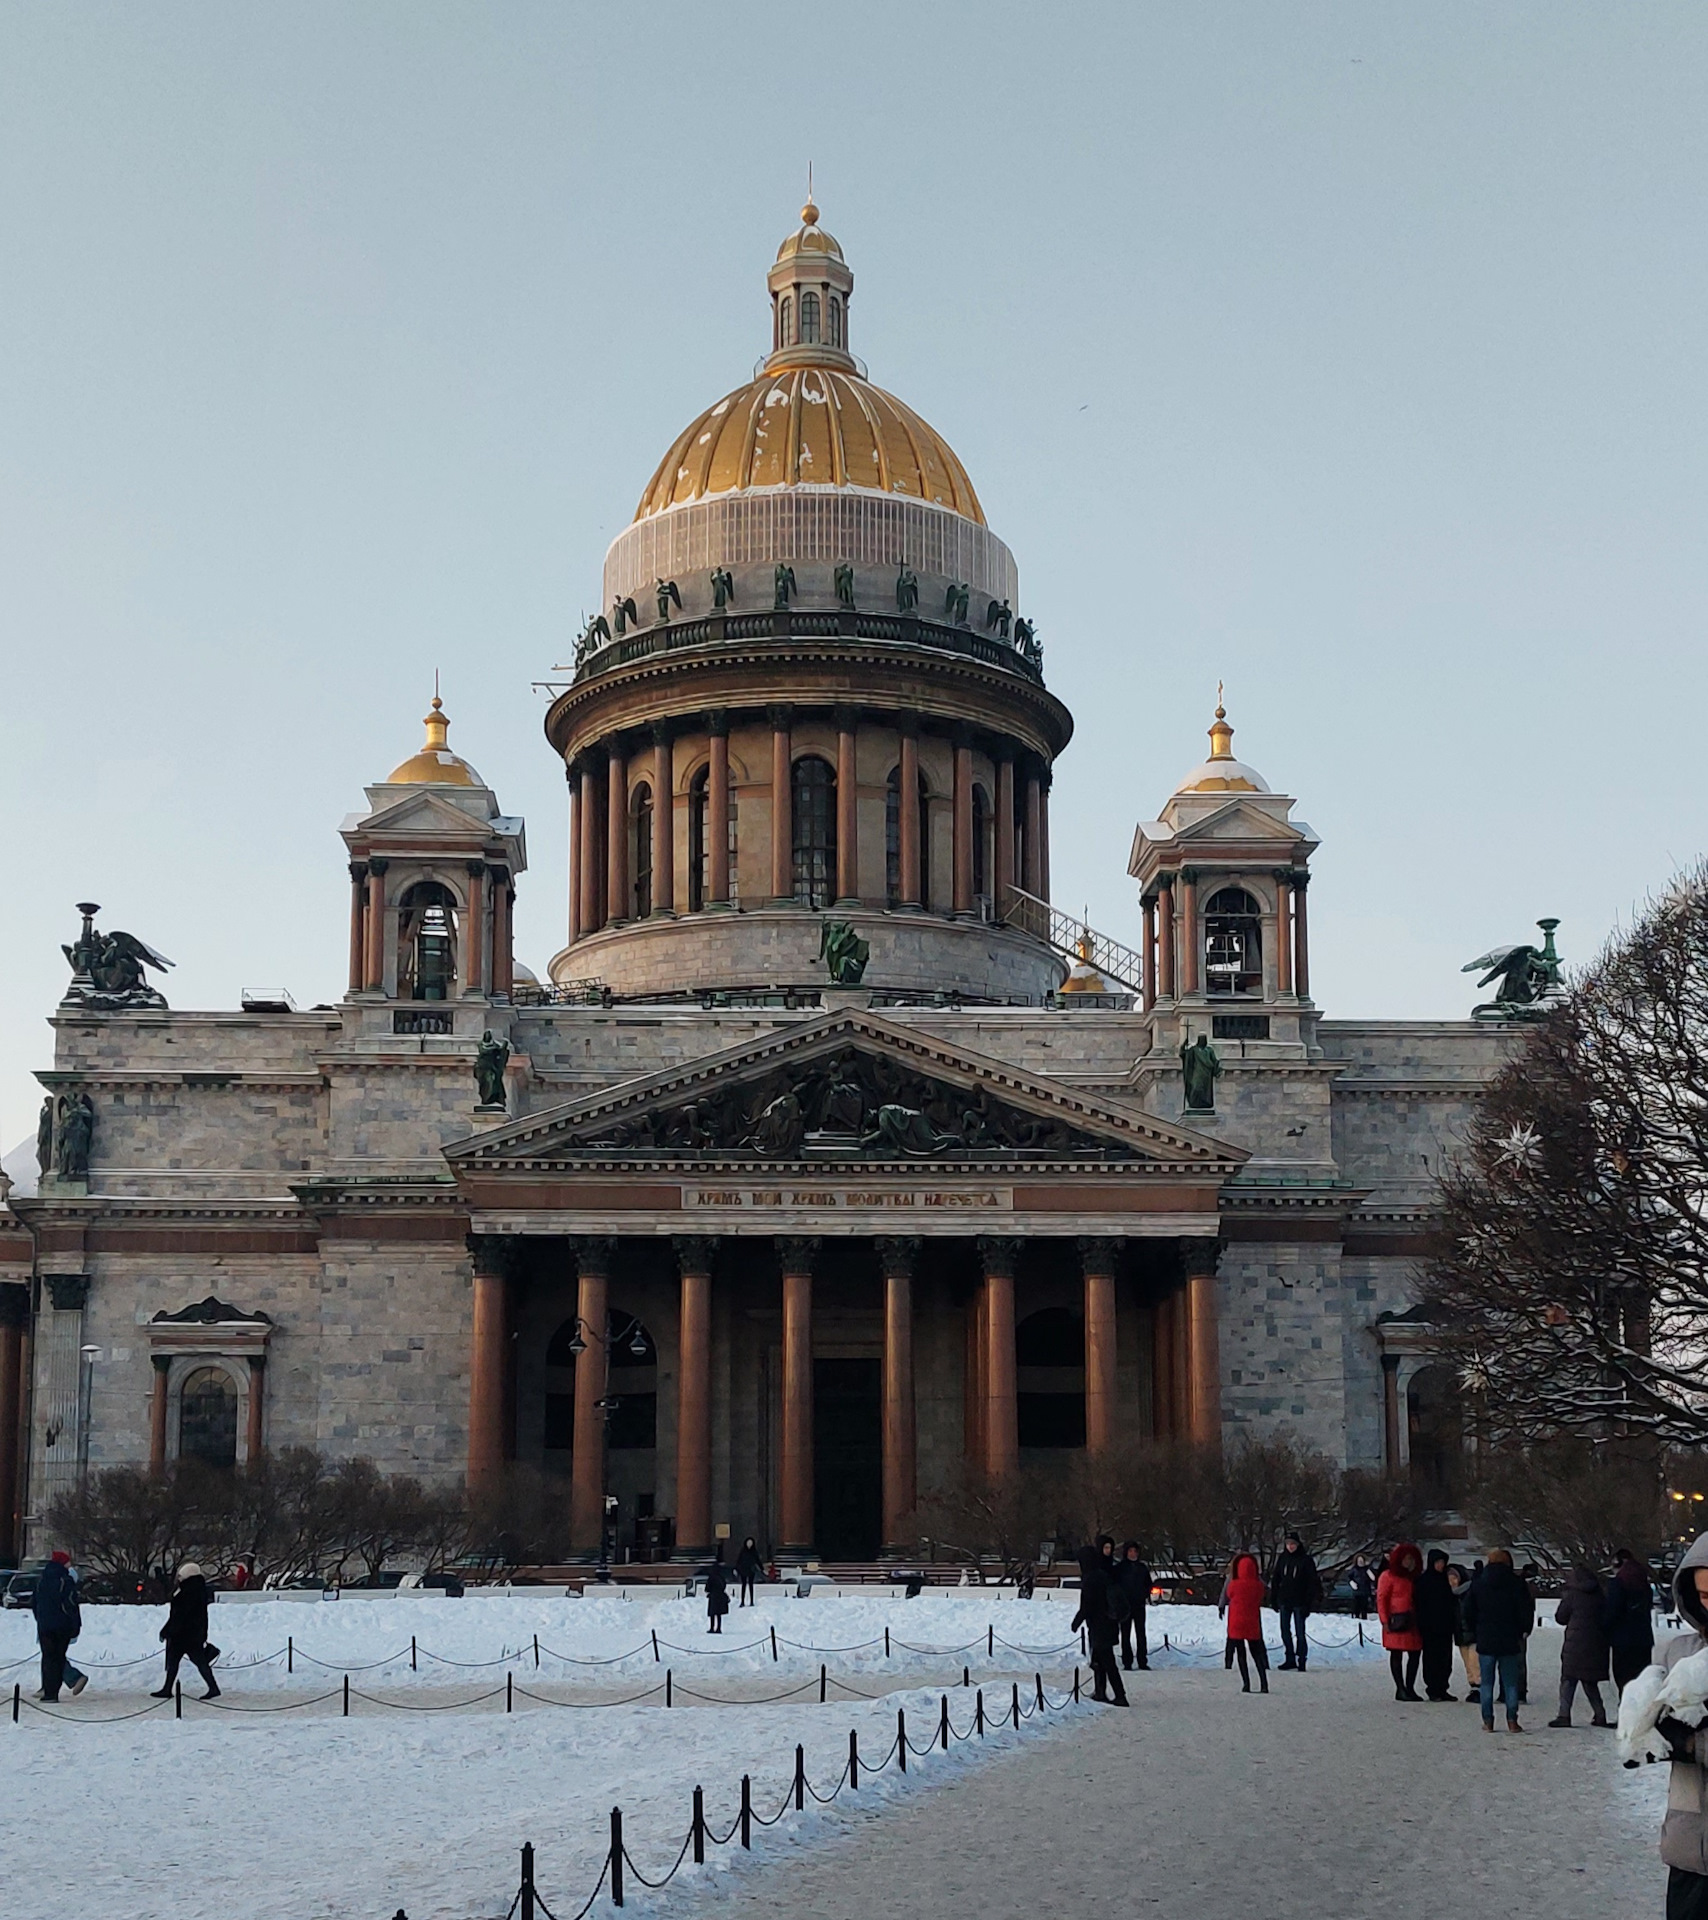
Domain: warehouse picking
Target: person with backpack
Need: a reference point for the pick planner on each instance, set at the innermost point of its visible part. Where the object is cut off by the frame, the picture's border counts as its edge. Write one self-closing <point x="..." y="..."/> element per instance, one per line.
<point x="186" y="1633"/>
<point x="59" y="1620"/>
<point x="1295" y="1592"/>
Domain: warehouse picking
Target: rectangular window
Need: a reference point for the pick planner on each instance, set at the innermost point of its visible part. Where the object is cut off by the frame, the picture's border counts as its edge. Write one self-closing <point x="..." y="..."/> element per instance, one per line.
<point x="1239" y="1026"/>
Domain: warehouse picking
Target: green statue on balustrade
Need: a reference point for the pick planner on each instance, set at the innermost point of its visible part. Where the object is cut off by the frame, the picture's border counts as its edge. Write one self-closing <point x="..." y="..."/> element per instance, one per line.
<point x="843" y="952"/>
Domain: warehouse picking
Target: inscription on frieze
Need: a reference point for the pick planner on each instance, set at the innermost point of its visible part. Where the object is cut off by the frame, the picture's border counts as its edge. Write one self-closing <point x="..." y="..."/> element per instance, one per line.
<point x="850" y="1199"/>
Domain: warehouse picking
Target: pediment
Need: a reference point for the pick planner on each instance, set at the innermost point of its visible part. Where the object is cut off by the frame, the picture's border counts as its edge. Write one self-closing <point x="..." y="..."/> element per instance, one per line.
<point x="849" y="1086"/>
<point x="1238" y="819"/>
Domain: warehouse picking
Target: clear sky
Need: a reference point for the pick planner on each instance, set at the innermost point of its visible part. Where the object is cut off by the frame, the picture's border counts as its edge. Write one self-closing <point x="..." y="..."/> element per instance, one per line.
<point x="1351" y="354"/>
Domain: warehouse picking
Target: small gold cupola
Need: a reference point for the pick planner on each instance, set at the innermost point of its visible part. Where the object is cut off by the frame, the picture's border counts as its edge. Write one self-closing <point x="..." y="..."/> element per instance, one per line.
<point x="811" y="286"/>
<point x="1222" y="773"/>
<point x="435" y="765"/>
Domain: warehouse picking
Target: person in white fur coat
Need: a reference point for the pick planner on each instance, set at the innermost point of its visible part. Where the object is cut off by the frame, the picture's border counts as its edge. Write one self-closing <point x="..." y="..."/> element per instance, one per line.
<point x="1664" y="1714"/>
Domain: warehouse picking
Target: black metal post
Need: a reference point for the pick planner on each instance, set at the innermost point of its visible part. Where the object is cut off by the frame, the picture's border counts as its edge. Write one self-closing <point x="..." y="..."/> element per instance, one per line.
<point x="854" y="1758"/>
<point x="1017" y="1705"/>
<point x="346" y="1696"/>
<point x="178" y="1699"/>
<point x="667" y="1688"/>
<point x="978" y="1712"/>
<point x="699" y="1827"/>
<point x="527" y="1895"/>
<point x="1038" y="1682"/>
<point x="901" y="1737"/>
<point x="990" y="1642"/>
<point x="1076" y="1686"/>
<point x="773" y="1644"/>
<point x="800" y="1779"/>
<point x="290" y="1654"/>
<point x="536" y="1651"/>
<point x="746" y="1811"/>
<point x="943" y="1724"/>
<point x="655" y="1646"/>
<point x="413" y="1668"/>
<point x="17" y="1695"/>
<point x="821" y="1685"/>
<point x="509" y="1691"/>
<point x="616" y="1856"/>
<point x="886" y="1643"/>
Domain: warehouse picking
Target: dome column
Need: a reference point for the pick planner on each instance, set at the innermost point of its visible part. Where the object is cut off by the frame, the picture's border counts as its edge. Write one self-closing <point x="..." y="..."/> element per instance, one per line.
<point x="1301" y="939"/>
<point x="1044" y="836"/>
<point x="1165" y="935"/>
<point x="358" y="908"/>
<point x="847" y="810"/>
<point x="574" y="780"/>
<point x="1189" y="954"/>
<point x="587" y="829"/>
<point x="1004" y="831"/>
<point x="907" y="812"/>
<point x="717" y="810"/>
<point x="616" y="834"/>
<point x="375" y="941"/>
<point x="1283" y="931"/>
<point x="963" y="834"/>
<point x="782" y="817"/>
<point x="663" y="826"/>
<point x="1148" y="907"/>
<point x="474" y="931"/>
<point x="1031" y="864"/>
<point x="503" y="953"/>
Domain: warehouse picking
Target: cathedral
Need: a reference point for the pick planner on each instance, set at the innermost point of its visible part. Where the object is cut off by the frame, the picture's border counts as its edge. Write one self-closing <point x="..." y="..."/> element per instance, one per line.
<point x="829" y="1161"/>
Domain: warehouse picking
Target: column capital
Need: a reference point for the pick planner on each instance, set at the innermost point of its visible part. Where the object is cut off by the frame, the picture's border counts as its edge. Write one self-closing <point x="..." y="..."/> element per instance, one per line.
<point x="845" y="719"/>
<point x="1164" y="883"/>
<point x="14" y="1309"/>
<point x="495" y="1255"/>
<point x="1199" y="1256"/>
<point x="694" y="1251"/>
<point x="1000" y="1254"/>
<point x="1189" y="876"/>
<point x="663" y="732"/>
<point x="1299" y="879"/>
<point x="907" y="724"/>
<point x="1282" y="876"/>
<point x="162" y="1363"/>
<point x="477" y="869"/>
<point x="257" y="1364"/>
<point x="961" y="735"/>
<point x="796" y="1253"/>
<point x="377" y="863"/>
<point x="717" y="722"/>
<point x="498" y="875"/>
<point x="896" y="1256"/>
<point x="69" y="1292"/>
<point x="358" y="869"/>
<point x="593" y="1254"/>
<point x="780" y="717"/>
<point x="1099" y="1253"/>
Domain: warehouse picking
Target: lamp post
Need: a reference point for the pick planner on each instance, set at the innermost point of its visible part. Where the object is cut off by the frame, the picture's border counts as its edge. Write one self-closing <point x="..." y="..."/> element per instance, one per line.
<point x="87" y="1356"/>
<point x="632" y="1335"/>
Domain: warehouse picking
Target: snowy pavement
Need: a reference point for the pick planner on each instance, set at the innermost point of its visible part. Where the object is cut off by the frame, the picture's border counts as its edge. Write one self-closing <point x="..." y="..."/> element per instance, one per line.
<point x="271" y="1806"/>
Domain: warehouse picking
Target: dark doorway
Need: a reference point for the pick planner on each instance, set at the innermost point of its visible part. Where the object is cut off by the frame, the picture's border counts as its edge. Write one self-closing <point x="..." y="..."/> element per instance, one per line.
<point x="848" y="1458"/>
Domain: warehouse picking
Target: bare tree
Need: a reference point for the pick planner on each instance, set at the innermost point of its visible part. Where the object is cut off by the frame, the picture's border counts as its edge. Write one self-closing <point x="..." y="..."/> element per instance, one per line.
<point x="1570" y="1279"/>
<point x="1572" y="1501"/>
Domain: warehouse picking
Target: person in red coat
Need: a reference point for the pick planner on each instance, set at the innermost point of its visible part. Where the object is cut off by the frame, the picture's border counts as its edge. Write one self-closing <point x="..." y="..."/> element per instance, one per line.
<point x="1396" y="1608"/>
<point x="1242" y="1602"/>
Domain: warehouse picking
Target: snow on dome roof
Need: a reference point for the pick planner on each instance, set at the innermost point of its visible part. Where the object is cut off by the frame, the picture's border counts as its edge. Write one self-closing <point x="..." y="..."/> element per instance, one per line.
<point x="1222" y="773"/>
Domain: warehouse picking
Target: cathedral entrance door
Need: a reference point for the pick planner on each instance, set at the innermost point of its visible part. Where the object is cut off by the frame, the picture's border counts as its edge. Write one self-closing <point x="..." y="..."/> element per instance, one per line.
<point x="848" y="1466"/>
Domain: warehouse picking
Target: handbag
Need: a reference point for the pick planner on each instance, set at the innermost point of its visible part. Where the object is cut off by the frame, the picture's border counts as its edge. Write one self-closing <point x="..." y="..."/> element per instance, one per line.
<point x="210" y="1653"/>
<point x="1400" y="1622"/>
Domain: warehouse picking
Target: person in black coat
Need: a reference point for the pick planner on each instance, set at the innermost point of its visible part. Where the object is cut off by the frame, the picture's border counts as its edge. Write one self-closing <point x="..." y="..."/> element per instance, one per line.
<point x="1437" y="1609"/>
<point x="1630" y="1618"/>
<point x="717" y="1599"/>
<point x="748" y="1567"/>
<point x="1134" y="1577"/>
<point x="186" y="1633"/>
<point x="1500" y="1610"/>
<point x="1099" y="1603"/>
<point x="1295" y="1592"/>
<point x="59" y="1620"/>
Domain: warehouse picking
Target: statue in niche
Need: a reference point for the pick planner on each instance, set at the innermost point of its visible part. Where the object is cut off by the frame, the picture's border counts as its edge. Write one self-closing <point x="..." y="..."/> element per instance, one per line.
<point x="667" y="593"/>
<point x="843" y="952"/>
<point x="491" y="1057"/>
<point x="955" y="603"/>
<point x="624" y="614"/>
<point x="44" y="1136"/>
<point x="782" y="584"/>
<point x="907" y="589"/>
<point x="107" y="969"/>
<point x="1199" y="1067"/>
<point x="844" y="580"/>
<point x="76" y="1135"/>
<point x="780" y="1128"/>
<point x="1529" y="979"/>
<point x="997" y="618"/>
<point x="723" y="588"/>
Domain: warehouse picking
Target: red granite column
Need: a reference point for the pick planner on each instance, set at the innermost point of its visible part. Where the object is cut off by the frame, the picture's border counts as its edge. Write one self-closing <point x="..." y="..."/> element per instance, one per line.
<point x="157" y="1413"/>
<point x="592" y="1378"/>
<point x="795" y="1257"/>
<point x="1044" y="837"/>
<point x="1097" y="1259"/>
<point x="14" y="1316"/>
<point x="488" y="1347"/>
<point x="782" y="810"/>
<point x="900" y="1441"/>
<point x="963" y="861"/>
<point x="1206" y="1349"/>
<point x="503" y="939"/>
<point x="574" y="856"/>
<point x="694" y="1397"/>
<point x="1002" y="1407"/>
<point x="374" y="942"/>
<point x="257" y="1410"/>
<point x="1190" y="957"/>
<point x="1162" y="1369"/>
<point x="617" y="902"/>
<point x="717" y="813"/>
<point x="587" y="825"/>
<point x="1032" y="851"/>
<point x="474" y="930"/>
<point x="907" y="819"/>
<point x="1149" y="981"/>
<point x="1301" y="940"/>
<point x="663" y="823"/>
<point x="1004" y="832"/>
<point x="1165" y="935"/>
<point x="1283" y="932"/>
<point x="847" y="811"/>
<point x="358" y="925"/>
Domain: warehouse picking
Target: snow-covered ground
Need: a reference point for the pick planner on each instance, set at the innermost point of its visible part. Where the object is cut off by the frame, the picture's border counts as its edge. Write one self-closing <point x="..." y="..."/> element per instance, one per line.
<point x="264" y="1807"/>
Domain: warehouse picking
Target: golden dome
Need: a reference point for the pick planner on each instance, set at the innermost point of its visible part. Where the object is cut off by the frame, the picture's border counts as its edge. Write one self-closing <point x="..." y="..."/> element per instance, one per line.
<point x="435" y="765"/>
<point x="1222" y="773"/>
<point x="810" y="426"/>
<point x="809" y="238"/>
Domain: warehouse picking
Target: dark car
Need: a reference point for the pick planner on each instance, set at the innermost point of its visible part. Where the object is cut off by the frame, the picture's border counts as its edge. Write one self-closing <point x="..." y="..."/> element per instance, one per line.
<point x="21" y="1587"/>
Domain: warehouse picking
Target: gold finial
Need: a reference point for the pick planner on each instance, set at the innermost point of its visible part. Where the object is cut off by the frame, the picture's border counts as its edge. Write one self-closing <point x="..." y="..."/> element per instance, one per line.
<point x="809" y="213"/>
<point x="436" y="723"/>
<point x="1221" y="734"/>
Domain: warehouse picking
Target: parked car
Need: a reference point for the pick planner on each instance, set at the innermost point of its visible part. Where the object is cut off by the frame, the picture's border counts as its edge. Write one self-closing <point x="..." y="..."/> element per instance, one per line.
<point x="21" y="1588"/>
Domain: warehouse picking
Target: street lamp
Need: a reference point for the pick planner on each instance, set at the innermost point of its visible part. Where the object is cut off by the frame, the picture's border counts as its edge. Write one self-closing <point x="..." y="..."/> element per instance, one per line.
<point x="633" y="1336"/>
<point x="87" y="1356"/>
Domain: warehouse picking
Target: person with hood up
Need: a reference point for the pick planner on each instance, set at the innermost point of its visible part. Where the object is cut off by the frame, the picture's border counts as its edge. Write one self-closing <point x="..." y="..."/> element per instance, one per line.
<point x="1396" y="1608"/>
<point x="1099" y="1614"/>
<point x="1583" y="1654"/>
<point x="1437" y="1618"/>
<point x="1500" y="1611"/>
<point x="59" y="1620"/>
<point x="717" y="1598"/>
<point x="1684" y="1830"/>
<point x="1135" y="1581"/>
<point x="1630" y="1618"/>
<point x="1242" y="1602"/>
<point x="186" y="1632"/>
<point x="748" y="1567"/>
<point x="1363" y="1584"/>
<point x="1459" y="1579"/>
<point x="1295" y="1592"/>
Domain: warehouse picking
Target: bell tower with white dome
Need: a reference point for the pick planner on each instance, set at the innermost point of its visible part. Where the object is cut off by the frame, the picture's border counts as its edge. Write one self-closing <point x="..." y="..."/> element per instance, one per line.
<point x="1222" y="876"/>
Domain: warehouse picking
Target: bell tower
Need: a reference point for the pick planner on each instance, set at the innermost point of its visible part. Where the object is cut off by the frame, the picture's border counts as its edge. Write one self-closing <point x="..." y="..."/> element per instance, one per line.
<point x="433" y="869"/>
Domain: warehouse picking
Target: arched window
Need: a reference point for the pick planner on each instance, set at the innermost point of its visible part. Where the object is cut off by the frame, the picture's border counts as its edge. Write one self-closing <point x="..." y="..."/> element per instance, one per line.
<point x="785" y="320"/>
<point x="1049" y="1360"/>
<point x="1233" y="944"/>
<point x="981" y="844"/>
<point x="809" y="319"/>
<point x="814" y="797"/>
<point x="640" y="848"/>
<point x="427" y="942"/>
<point x="207" y="1418"/>
<point x="892" y="840"/>
<point x="699" y="841"/>
<point x="835" y="321"/>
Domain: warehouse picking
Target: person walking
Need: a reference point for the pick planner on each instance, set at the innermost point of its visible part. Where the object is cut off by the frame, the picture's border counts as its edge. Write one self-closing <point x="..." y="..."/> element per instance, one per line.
<point x="59" y="1620"/>
<point x="1098" y="1615"/>
<point x="1529" y="1573"/>
<point x="717" y="1598"/>
<point x="186" y="1633"/>
<point x="1437" y="1617"/>
<point x="1242" y="1601"/>
<point x="1363" y="1584"/>
<point x="1684" y="1830"/>
<point x="1584" y="1652"/>
<point x="1463" y="1638"/>
<point x="1396" y="1608"/>
<point x="1630" y="1618"/>
<point x="1295" y="1592"/>
<point x="1135" y="1580"/>
<point x="1499" y="1610"/>
<point x="748" y="1567"/>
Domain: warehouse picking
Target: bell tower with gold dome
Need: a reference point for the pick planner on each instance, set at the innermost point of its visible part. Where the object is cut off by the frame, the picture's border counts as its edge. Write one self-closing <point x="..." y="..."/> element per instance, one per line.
<point x="811" y="692"/>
